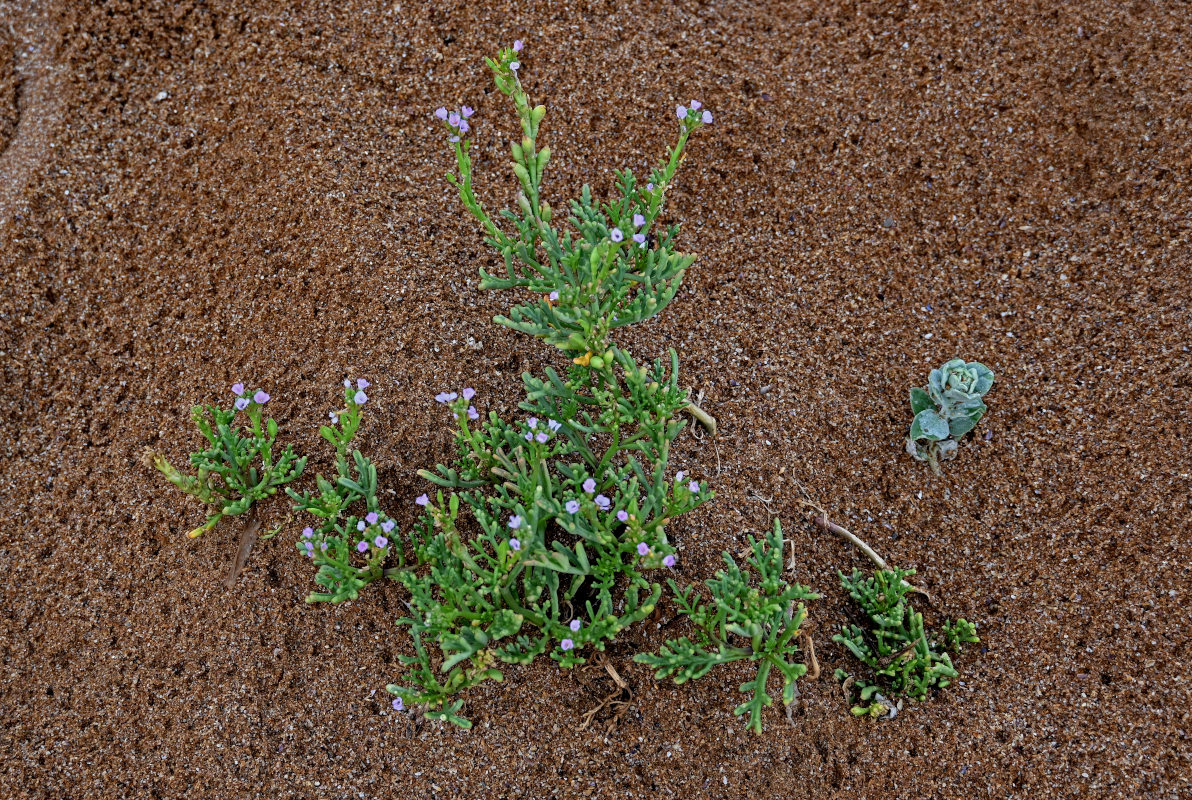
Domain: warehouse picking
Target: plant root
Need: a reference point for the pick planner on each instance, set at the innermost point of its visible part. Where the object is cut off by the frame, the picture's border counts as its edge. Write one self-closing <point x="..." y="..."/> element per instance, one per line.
<point x="248" y="537"/>
<point x="822" y="521"/>
<point x="703" y="417"/>
<point x="618" y="700"/>
<point x="813" y="671"/>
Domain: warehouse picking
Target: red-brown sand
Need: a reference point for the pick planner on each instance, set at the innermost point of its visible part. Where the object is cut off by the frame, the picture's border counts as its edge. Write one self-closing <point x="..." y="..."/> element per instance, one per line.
<point x="196" y="193"/>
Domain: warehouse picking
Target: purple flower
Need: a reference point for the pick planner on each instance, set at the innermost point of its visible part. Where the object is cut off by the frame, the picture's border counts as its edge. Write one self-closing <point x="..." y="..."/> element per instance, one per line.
<point x="669" y="561"/>
<point x="466" y="112"/>
<point x="361" y="383"/>
<point x="388" y="526"/>
<point x="679" y="475"/>
<point x="237" y="389"/>
<point x="554" y="425"/>
<point x="333" y="417"/>
<point x="261" y="397"/>
<point x="638" y="220"/>
<point x="308" y="533"/>
<point x="575" y="624"/>
<point x="473" y="413"/>
<point x="649" y="187"/>
<point x="602" y="502"/>
<point x="681" y="112"/>
<point x="542" y="437"/>
<point x="371" y="517"/>
<point x="310" y="549"/>
<point x="361" y="398"/>
<point x="696" y="105"/>
<point x="241" y="403"/>
<point x="589" y="486"/>
<point x="360" y="548"/>
<point x="422" y="500"/>
<point x="469" y="393"/>
<point x="514" y="545"/>
<point x="323" y="546"/>
<point x="380" y="541"/>
<point x="441" y="113"/>
<point x="616" y="235"/>
<point x="347" y="383"/>
<point x="517" y="45"/>
<point x="453" y="119"/>
<point x="532" y="422"/>
<point x="554" y="296"/>
<point x="514" y="522"/>
<point x="514" y="65"/>
<point x="623" y="515"/>
<point x="693" y="487"/>
<point x="464" y="127"/>
<point x="566" y="645"/>
<point x="707" y="117"/>
<point x="360" y="526"/>
<point x="445" y="397"/>
<point x="640" y="238"/>
<point x="453" y="139"/>
<point x="572" y="506"/>
<point x="398" y="705"/>
<point x="643" y="548"/>
<point x="529" y="436"/>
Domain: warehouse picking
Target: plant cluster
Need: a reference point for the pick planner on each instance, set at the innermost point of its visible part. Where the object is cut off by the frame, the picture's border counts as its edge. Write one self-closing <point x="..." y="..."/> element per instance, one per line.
<point x="948" y="407"/>
<point x="541" y="535"/>
<point x="569" y="504"/>
<point x="238" y="468"/>
<point x="759" y="623"/>
<point x="904" y="660"/>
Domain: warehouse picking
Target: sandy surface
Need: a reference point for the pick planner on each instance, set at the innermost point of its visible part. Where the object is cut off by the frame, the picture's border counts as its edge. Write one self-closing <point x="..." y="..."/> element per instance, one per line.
<point x="198" y="193"/>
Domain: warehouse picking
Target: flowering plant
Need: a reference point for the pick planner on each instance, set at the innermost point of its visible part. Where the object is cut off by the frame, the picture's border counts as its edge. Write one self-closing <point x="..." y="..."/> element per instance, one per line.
<point x="948" y="407"/>
<point x="238" y="468"/>
<point x="761" y="624"/>
<point x="569" y="505"/>
<point x="903" y="658"/>
<point x="349" y="551"/>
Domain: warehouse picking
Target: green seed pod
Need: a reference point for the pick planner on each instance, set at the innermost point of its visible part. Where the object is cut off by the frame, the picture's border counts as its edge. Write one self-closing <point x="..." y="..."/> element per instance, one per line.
<point x="537" y="114"/>
<point x="521" y="174"/>
<point x="596" y="363"/>
<point x="523" y="204"/>
<point x="545" y="212"/>
<point x="518" y="155"/>
<point x="543" y="157"/>
<point x="527" y="146"/>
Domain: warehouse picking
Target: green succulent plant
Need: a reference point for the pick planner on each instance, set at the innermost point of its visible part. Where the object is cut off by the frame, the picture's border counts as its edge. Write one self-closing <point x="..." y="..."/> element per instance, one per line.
<point x="743" y="622"/>
<point x="903" y="659"/>
<point x="238" y="468"/>
<point x="948" y="407"/>
<point x="542" y="534"/>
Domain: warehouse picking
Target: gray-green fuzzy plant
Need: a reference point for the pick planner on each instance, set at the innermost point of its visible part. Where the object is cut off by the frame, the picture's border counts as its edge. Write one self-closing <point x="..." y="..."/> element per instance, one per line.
<point x="569" y="505"/>
<point x="349" y="550"/>
<point x="948" y="407"/>
<point x="759" y="623"/>
<point x="238" y="468"/>
<point x="904" y="660"/>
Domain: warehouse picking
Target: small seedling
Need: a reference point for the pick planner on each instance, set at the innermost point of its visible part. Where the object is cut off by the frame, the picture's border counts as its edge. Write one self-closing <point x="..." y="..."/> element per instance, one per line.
<point x="567" y="507"/>
<point x="349" y="551"/>
<point x="948" y="407"/>
<point x="904" y="660"/>
<point x="238" y="468"/>
<point x="760" y="623"/>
